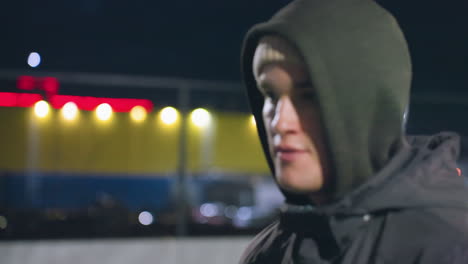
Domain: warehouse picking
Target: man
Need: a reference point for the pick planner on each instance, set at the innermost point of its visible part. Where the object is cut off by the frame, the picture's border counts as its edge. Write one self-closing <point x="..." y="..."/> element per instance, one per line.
<point x="328" y="82"/>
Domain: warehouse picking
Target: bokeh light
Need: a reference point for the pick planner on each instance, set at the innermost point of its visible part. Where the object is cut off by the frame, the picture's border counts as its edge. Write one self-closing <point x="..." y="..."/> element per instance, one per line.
<point x="104" y="112"/>
<point x="41" y="109"/>
<point x="201" y="117"/>
<point x="244" y="213"/>
<point x="230" y="211"/>
<point x="70" y="111"/>
<point x="34" y="59"/>
<point x="138" y="113"/>
<point x="209" y="210"/>
<point x="169" y="115"/>
<point x="145" y="218"/>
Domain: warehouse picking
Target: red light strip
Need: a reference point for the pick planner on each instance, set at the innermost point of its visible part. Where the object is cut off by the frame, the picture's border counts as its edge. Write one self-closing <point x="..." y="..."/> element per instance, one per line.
<point x="90" y="103"/>
<point x="87" y="103"/>
<point x="27" y="100"/>
<point x="19" y="99"/>
<point x="8" y="99"/>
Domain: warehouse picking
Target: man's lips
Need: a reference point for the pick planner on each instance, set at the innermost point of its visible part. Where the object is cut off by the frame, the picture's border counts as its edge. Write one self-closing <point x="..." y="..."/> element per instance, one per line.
<point x="288" y="153"/>
<point x="289" y="148"/>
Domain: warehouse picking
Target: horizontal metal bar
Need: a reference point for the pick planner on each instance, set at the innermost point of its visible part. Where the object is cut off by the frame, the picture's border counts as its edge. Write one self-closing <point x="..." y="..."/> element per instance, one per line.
<point x="122" y="80"/>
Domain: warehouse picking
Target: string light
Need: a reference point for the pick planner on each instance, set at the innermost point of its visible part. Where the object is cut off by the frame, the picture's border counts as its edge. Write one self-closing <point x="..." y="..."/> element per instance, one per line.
<point x="138" y="113"/>
<point x="169" y="115"/>
<point x="104" y="112"/>
<point x="41" y="109"/>
<point x="200" y="117"/>
<point x="70" y="111"/>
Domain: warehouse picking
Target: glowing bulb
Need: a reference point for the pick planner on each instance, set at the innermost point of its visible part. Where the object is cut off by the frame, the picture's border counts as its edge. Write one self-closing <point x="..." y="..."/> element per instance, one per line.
<point x="41" y="109"/>
<point x="138" y="113"/>
<point x="70" y="111"/>
<point x="104" y="112"/>
<point x="169" y="115"/>
<point x="34" y="59"/>
<point x="200" y="117"/>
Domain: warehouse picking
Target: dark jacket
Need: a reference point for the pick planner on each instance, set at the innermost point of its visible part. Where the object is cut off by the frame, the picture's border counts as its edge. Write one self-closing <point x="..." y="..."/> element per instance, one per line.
<point x="394" y="199"/>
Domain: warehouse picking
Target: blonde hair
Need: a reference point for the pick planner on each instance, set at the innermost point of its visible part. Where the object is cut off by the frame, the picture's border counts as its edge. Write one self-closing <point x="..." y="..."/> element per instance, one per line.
<point x="274" y="49"/>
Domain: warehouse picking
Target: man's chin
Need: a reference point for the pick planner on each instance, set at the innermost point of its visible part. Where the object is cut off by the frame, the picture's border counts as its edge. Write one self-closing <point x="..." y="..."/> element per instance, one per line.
<point x="297" y="187"/>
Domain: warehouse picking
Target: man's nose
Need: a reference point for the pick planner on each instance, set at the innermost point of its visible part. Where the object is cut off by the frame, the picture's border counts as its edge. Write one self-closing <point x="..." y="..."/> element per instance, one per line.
<point x="286" y="119"/>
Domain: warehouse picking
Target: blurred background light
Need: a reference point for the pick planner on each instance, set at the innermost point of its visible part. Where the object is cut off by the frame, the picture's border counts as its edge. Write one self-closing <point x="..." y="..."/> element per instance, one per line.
<point x="169" y="115"/>
<point x="209" y="210"/>
<point x="25" y="82"/>
<point x="41" y="109"/>
<point x="145" y="218"/>
<point x="138" y="113"/>
<point x="244" y="213"/>
<point x="230" y="211"/>
<point x="50" y="85"/>
<point x="104" y="112"/>
<point x="8" y="99"/>
<point x="201" y="117"/>
<point x="34" y="59"/>
<point x="70" y="111"/>
<point x="89" y="103"/>
<point x="3" y="222"/>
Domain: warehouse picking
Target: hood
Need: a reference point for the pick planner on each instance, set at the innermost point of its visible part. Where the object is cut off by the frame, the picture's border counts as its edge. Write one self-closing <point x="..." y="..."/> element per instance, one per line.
<point x="359" y="64"/>
<point x="423" y="175"/>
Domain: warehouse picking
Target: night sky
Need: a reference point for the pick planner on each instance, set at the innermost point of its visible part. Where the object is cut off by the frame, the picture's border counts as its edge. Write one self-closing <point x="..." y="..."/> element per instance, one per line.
<point x="191" y="39"/>
<point x="201" y="40"/>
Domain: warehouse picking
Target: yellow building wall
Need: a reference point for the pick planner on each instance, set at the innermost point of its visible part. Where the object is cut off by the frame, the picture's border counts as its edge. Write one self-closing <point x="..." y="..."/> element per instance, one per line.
<point x="13" y="138"/>
<point x="237" y="146"/>
<point x="122" y="145"/>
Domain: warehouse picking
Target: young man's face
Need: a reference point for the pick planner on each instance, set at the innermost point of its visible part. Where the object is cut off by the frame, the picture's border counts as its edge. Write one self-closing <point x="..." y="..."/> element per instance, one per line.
<point x="292" y="123"/>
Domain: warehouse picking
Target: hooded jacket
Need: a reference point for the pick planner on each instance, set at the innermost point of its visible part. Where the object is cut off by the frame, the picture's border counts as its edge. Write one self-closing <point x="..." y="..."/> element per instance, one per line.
<point x="395" y="199"/>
